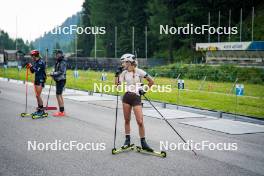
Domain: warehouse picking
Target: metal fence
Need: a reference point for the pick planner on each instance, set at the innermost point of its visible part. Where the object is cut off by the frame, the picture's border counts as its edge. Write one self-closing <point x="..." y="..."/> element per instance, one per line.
<point x="85" y="63"/>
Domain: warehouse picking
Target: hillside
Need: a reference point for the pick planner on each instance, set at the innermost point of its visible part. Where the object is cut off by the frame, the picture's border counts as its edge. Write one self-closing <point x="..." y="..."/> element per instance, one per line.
<point x="52" y="41"/>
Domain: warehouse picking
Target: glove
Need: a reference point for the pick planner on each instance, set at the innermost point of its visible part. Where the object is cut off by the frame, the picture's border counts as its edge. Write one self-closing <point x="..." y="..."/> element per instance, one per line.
<point x="141" y="92"/>
<point x="118" y="71"/>
<point x="29" y="65"/>
<point x="51" y="74"/>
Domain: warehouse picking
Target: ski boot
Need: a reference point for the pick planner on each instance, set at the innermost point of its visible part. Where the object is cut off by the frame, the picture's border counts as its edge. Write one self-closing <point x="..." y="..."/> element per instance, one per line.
<point x="145" y="146"/>
<point x="147" y="150"/>
<point x="126" y="147"/>
<point x="127" y="142"/>
<point x="39" y="114"/>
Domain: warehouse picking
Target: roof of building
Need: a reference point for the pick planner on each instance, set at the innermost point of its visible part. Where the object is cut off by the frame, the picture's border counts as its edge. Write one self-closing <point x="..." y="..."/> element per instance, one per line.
<point x="10" y="51"/>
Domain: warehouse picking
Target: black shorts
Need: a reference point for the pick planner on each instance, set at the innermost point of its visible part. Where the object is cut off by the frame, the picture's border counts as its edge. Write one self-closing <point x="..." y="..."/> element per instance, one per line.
<point x="60" y="86"/>
<point x="132" y="99"/>
<point x="38" y="83"/>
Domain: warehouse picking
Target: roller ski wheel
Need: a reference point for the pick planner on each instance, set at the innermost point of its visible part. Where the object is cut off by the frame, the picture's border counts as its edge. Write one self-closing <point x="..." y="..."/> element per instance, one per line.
<point x="155" y="153"/>
<point x="113" y="151"/>
<point x="24" y="114"/>
<point x="37" y="116"/>
<point x="122" y="149"/>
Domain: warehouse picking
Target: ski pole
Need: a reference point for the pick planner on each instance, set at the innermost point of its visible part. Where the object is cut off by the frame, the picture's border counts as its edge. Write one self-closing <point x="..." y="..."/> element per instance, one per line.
<point x="48" y="95"/>
<point x="51" y="107"/>
<point x="24" y="114"/>
<point x="26" y="89"/>
<point x="169" y="124"/>
<point x="46" y="108"/>
<point x="116" y="113"/>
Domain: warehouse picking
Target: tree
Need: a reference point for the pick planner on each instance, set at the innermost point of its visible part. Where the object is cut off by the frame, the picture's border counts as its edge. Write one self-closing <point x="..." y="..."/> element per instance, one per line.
<point x="5" y="41"/>
<point x="20" y="45"/>
<point x="57" y="46"/>
<point x="85" y="41"/>
<point x="164" y="12"/>
<point x="108" y="14"/>
<point x="136" y="17"/>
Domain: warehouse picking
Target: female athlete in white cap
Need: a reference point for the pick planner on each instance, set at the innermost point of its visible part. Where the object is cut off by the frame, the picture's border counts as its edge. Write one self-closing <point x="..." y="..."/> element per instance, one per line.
<point x="132" y="77"/>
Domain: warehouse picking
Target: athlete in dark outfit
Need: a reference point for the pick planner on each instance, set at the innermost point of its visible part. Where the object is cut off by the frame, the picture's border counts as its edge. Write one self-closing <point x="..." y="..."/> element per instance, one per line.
<point x="59" y="75"/>
<point x="39" y="69"/>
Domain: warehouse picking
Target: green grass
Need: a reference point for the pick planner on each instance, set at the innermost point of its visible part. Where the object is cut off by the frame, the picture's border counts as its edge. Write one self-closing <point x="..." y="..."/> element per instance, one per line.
<point x="213" y="95"/>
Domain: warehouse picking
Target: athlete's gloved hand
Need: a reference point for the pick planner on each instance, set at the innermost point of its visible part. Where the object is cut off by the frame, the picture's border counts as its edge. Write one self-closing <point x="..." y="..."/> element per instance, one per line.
<point x="29" y="65"/>
<point x="141" y="92"/>
<point x="51" y="74"/>
<point x="118" y="71"/>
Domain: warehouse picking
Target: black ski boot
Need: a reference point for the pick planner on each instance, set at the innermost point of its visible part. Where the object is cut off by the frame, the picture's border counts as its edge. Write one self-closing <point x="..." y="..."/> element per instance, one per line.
<point x="126" y="147"/>
<point x="39" y="114"/>
<point x="127" y="142"/>
<point x="145" y="146"/>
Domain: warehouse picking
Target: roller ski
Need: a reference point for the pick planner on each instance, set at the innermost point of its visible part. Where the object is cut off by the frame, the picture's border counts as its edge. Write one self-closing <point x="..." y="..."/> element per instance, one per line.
<point x="123" y="149"/>
<point x="147" y="150"/>
<point x="39" y="114"/>
<point x="126" y="147"/>
<point x="24" y="114"/>
<point x="151" y="152"/>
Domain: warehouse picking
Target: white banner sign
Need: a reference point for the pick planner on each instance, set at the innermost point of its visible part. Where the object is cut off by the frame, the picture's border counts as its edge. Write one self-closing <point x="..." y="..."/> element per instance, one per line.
<point x="222" y="46"/>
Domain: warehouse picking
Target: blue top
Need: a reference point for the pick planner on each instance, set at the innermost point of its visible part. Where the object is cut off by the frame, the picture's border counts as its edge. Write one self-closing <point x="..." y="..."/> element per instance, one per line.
<point x="38" y="68"/>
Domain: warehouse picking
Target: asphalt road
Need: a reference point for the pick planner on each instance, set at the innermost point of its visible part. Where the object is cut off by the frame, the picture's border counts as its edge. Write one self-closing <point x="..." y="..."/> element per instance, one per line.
<point x="90" y="123"/>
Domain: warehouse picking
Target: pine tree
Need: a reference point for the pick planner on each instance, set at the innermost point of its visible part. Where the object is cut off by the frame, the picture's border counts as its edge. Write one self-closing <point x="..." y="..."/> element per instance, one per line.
<point x="85" y="41"/>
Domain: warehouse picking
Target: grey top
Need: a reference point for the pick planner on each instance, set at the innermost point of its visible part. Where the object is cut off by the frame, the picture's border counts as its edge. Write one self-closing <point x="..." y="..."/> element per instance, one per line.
<point x="60" y="70"/>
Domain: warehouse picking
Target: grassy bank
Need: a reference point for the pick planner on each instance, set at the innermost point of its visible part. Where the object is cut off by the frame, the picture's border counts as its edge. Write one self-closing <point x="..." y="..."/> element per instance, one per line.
<point x="212" y="95"/>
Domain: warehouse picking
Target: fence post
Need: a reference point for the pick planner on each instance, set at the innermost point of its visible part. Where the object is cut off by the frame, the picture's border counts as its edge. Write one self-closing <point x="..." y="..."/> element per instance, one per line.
<point x="178" y="90"/>
<point x="202" y="83"/>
